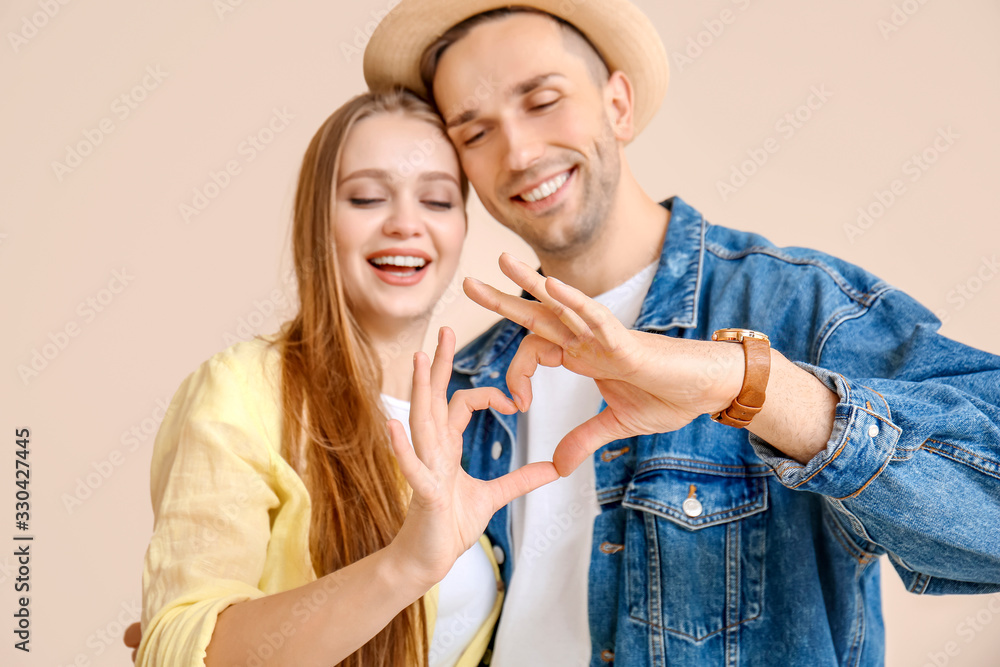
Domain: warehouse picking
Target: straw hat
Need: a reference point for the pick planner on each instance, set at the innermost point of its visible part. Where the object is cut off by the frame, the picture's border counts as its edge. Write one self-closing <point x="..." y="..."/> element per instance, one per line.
<point x="624" y="36"/>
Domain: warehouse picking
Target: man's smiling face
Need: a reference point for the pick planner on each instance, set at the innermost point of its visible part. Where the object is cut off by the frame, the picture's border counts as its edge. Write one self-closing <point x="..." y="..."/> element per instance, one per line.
<point x="539" y="149"/>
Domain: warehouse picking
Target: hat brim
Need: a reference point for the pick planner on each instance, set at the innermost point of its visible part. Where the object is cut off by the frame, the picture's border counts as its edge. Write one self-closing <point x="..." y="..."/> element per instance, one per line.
<point x="623" y="35"/>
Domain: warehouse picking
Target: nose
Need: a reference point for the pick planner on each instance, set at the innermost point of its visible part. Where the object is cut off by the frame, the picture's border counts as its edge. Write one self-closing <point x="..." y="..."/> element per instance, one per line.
<point x="404" y="219"/>
<point x="523" y="147"/>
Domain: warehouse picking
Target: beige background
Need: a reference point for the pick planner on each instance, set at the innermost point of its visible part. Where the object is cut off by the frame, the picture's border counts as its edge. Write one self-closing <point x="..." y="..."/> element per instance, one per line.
<point x="225" y="65"/>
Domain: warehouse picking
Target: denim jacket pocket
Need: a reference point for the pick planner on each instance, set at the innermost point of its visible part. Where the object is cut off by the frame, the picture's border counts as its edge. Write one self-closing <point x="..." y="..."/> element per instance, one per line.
<point x="695" y="547"/>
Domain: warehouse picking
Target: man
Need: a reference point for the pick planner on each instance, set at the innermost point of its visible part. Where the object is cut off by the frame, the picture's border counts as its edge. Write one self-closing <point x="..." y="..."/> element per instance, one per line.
<point x="701" y="524"/>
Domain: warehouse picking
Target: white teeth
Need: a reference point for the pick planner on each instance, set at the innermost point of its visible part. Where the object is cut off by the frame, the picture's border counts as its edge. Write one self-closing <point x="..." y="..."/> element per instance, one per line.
<point x="401" y="260"/>
<point x="546" y="189"/>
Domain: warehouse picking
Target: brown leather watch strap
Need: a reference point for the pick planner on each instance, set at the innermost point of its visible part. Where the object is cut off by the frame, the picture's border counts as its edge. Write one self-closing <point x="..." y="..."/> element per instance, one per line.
<point x="750" y="400"/>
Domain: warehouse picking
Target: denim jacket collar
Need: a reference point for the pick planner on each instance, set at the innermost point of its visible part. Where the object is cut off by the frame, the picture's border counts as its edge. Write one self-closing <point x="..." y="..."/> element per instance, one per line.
<point x="672" y="301"/>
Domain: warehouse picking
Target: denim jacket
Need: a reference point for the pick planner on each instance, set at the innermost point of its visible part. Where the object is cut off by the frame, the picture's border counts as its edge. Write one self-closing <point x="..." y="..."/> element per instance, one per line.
<point x="777" y="562"/>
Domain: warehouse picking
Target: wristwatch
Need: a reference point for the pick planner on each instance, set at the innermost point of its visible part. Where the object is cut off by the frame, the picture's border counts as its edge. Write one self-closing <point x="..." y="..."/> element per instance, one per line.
<point x="757" y="350"/>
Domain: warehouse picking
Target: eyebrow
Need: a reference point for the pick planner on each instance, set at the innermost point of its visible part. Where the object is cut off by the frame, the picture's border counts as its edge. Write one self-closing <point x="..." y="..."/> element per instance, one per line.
<point x="384" y="175"/>
<point x="438" y="176"/>
<point x="377" y="174"/>
<point x="518" y="89"/>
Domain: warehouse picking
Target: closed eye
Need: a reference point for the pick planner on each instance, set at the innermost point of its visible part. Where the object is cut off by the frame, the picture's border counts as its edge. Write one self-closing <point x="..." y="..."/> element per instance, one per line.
<point x="358" y="201"/>
<point x="542" y="100"/>
<point x="475" y="138"/>
<point x="542" y="107"/>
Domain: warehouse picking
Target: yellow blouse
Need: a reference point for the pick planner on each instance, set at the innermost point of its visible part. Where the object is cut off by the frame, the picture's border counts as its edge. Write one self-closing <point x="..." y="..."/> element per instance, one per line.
<point x="231" y="516"/>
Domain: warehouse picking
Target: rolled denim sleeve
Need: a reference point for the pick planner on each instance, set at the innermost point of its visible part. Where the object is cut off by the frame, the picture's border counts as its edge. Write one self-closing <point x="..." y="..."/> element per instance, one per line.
<point x="860" y="446"/>
<point x="913" y="460"/>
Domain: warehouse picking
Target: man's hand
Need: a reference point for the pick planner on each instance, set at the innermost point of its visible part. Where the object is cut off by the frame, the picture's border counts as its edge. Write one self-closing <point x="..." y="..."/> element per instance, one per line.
<point x="651" y="383"/>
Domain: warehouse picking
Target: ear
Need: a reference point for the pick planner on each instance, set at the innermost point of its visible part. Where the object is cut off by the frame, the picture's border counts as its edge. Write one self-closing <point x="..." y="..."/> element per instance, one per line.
<point x="619" y="104"/>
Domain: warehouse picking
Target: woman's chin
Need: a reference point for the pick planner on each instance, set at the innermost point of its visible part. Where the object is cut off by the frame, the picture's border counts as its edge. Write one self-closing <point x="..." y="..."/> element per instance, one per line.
<point x="401" y="315"/>
<point x="386" y="309"/>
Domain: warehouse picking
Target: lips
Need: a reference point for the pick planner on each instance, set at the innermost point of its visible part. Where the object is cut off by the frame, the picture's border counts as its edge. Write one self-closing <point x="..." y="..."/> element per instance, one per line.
<point x="400" y="267"/>
<point x="546" y="193"/>
<point x="546" y="189"/>
<point x="400" y="262"/>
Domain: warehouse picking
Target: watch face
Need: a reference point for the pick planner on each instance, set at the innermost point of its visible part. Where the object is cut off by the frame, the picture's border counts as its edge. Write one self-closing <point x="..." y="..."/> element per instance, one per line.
<point x="737" y="335"/>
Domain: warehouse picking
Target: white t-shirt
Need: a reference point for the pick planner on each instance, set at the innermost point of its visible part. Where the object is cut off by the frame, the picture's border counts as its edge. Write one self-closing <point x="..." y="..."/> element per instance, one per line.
<point x="467" y="593"/>
<point x="544" y="619"/>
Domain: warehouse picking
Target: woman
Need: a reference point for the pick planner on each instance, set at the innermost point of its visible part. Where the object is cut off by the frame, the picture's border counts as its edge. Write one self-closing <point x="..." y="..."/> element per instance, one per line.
<point x="284" y="533"/>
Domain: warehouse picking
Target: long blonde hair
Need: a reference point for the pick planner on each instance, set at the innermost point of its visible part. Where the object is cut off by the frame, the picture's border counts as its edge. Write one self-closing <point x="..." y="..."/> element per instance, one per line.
<point x="334" y="426"/>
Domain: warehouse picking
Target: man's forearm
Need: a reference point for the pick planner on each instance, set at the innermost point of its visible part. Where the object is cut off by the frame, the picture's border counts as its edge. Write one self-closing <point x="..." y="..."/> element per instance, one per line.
<point x="797" y="417"/>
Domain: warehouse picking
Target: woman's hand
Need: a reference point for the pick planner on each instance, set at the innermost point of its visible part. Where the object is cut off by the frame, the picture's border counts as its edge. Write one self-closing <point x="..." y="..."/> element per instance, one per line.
<point x="449" y="510"/>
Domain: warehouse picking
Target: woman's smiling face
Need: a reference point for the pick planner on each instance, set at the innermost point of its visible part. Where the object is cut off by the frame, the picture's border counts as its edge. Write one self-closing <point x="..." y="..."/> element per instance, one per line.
<point x="398" y="218"/>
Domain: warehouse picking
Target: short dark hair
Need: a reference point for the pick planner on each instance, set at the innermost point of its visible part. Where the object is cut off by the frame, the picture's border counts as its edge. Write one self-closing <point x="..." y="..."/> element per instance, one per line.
<point x="597" y="65"/>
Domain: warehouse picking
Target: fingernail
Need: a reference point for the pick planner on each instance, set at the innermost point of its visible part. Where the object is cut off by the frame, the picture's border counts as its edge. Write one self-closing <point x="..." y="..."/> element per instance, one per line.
<point x="440" y="335"/>
<point x="474" y="281"/>
<point x="556" y="280"/>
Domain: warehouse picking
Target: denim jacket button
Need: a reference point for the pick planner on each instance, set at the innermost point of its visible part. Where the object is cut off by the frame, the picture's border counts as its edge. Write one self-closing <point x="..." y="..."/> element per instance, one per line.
<point x="872" y="431"/>
<point x="692" y="507"/>
<point x="497" y="450"/>
<point x="498" y="554"/>
<point x="494" y="375"/>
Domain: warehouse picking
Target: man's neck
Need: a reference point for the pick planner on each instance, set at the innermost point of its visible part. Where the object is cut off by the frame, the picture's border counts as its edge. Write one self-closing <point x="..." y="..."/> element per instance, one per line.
<point x="630" y="240"/>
